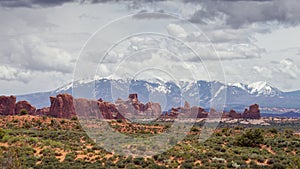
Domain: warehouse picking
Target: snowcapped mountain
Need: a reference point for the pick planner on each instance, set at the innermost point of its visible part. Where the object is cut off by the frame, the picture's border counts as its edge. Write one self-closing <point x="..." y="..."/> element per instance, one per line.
<point x="171" y="94"/>
<point x="260" y="88"/>
<point x="263" y="88"/>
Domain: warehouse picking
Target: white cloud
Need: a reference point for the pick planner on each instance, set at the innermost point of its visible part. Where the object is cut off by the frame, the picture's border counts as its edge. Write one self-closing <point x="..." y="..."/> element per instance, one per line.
<point x="44" y="42"/>
<point x="176" y="30"/>
<point x="12" y="74"/>
<point x="32" y="53"/>
<point x="288" y="67"/>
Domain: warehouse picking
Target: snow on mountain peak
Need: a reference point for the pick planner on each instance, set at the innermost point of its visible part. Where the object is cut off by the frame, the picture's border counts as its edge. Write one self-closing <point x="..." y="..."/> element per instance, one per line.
<point x="262" y="88"/>
<point x="239" y="85"/>
<point x="257" y="88"/>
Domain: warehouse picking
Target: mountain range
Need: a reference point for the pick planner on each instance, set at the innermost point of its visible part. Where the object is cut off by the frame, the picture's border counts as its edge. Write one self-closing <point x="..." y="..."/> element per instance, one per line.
<point x="236" y="96"/>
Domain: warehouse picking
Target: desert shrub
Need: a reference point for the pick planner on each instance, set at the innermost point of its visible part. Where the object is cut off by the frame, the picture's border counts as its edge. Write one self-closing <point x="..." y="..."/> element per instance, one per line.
<point x="23" y="112"/>
<point x="260" y="159"/>
<point x="187" y="165"/>
<point x="271" y="161"/>
<point x="2" y="133"/>
<point x="27" y="125"/>
<point x="194" y="129"/>
<point x="250" y="138"/>
<point x="70" y="157"/>
<point x="120" y="164"/>
<point x="10" y="159"/>
<point x="227" y="131"/>
<point x="273" y="130"/>
<point x="74" y="118"/>
<point x="138" y="161"/>
<point x="278" y="166"/>
<point x="62" y="122"/>
<point x="288" y="133"/>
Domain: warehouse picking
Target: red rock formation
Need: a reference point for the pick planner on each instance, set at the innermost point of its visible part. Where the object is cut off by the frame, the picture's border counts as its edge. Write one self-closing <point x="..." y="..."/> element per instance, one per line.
<point x="24" y="105"/>
<point x="7" y="105"/>
<point x="62" y="106"/>
<point x="252" y="113"/>
<point x="133" y="96"/>
<point x="43" y="111"/>
<point x="86" y="108"/>
<point x="153" y="109"/>
<point x="201" y="113"/>
<point x="233" y="114"/>
<point x="109" y="111"/>
<point x="133" y="109"/>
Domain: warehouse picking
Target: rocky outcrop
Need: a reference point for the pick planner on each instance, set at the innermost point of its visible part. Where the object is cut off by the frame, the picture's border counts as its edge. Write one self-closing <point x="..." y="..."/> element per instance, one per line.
<point x="24" y="105"/>
<point x="185" y="112"/>
<point x="91" y="109"/>
<point x="62" y="106"/>
<point x="252" y="113"/>
<point x="133" y="97"/>
<point x="232" y="114"/>
<point x="7" y="105"/>
<point x="200" y="112"/>
<point x="86" y="108"/>
<point x="134" y="109"/>
<point x="109" y="111"/>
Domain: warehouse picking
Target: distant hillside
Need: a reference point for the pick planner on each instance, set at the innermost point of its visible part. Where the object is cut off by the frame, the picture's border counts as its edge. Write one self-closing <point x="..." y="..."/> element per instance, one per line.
<point x="286" y="115"/>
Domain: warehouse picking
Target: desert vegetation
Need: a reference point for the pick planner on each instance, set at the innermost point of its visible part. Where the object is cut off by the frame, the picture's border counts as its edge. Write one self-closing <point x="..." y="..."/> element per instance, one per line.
<point x="43" y="142"/>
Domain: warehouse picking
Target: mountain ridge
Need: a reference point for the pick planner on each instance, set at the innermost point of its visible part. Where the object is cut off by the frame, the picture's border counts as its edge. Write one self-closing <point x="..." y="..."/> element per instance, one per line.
<point x="238" y="95"/>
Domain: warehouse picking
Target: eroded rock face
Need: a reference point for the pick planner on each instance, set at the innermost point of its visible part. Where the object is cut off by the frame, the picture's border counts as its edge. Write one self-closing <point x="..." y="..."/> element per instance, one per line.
<point x="109" y="111"/>
<point x="26" y="106"/>
<point x="7" y="105"/>
<point x="43" y="111"/>
<point x="96" y="109"/>
<point x="86" y="108"/>
<point x="62" y="106"/>
<point x="252" y="113"/>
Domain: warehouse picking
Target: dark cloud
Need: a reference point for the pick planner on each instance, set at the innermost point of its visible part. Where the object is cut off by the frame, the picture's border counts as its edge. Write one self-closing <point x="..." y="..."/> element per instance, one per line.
<point x="49" y="3"/>
<point x="240" y="13"/>
<point x="33" y="3"/>
<point x="144" y="14"/>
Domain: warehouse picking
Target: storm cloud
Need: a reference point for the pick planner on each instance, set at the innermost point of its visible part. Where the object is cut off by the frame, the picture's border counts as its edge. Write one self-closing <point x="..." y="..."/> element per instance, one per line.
<point x="49" y="3"/>
<point x="241" y="13"/>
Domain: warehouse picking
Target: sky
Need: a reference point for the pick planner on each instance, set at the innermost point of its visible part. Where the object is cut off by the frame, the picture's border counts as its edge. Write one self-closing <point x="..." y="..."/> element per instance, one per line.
<point x="45" y="44"/>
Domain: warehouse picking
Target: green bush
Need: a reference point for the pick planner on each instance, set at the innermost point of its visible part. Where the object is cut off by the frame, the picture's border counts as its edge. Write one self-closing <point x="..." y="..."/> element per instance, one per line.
<point x="288" y="133"/>
<point x="23" y="112"/>
<point x="74" y="118"/>
<point x="250" y="138"/>
<point x="2" y="133"/>
<point x="273" y="131"/>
